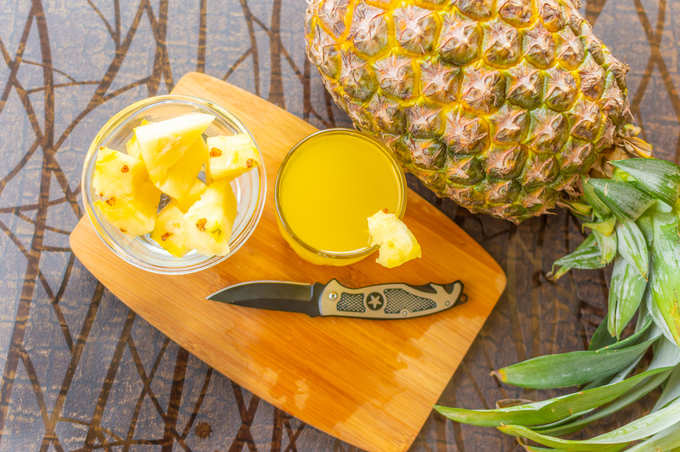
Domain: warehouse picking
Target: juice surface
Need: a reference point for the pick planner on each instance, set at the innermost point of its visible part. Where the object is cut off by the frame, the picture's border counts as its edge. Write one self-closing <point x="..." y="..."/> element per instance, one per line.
<point x="331" y="184"/>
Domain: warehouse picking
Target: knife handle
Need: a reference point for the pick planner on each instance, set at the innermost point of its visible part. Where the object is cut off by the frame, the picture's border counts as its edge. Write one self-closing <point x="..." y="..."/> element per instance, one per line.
<point x="387" y="301"/>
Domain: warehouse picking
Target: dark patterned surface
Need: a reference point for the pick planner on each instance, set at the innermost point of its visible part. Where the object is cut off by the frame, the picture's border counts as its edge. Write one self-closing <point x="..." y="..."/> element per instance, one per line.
<point x="80" y="371"/>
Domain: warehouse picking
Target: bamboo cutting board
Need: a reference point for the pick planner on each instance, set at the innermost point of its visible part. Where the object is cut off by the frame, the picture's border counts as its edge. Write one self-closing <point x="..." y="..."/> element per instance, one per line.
<point x="370" y="383"/>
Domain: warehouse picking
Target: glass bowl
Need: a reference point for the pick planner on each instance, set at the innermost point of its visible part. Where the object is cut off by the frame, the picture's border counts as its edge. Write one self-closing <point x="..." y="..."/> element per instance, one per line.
<point x="249" y="189"/>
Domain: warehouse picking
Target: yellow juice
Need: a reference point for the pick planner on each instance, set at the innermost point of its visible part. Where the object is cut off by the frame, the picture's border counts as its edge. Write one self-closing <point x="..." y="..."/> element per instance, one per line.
<point x="327" y="188"/>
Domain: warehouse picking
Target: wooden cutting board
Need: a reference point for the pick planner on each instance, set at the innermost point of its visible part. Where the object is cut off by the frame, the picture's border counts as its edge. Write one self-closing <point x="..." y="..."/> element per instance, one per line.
<point x="370" y="383"/>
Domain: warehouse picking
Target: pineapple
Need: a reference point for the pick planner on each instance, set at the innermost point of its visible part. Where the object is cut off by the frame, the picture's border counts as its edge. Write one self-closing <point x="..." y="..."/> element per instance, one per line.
<point x="502" y="105"/>
<point x="132" y="145"/>
<point x="230" y="156"/>
<point x="174" y="151"/>
<point x="192" y="195"/>
<point x="171" y="230"/>
<point x="127" y="198"/>
<point x="397" y="243"/>
<point x="182" y="176"/>
<point x="210" y="219"/>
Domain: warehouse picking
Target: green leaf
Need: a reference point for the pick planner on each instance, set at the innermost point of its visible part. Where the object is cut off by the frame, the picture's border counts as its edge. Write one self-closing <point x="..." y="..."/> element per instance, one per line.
<point x="658" y="178"/>
<point x="636" y="430"/>
<point x="605" y="227"/>
<point x="547" y="411"/>
<point x="655" y="312"/>
<point x="632" y="246"/>
<point x="665" y="281"/>
<point x="560" y="444"/>
<point x="607" y="245"/>
<point x="601" y="337"/>
<point x="671" y="390"/>
<point x="579" y="208"/>
<point x="665" y="440"/>
<point x="541" y="449"/>
<point x="626" y="201"/>
<point x="570" y="369"/>
<point x="630" y="397"/>
<point x="586" y="256"/>
<point x="590" y="197"/>
<point x="647" y="228"/>
<point x="641" y="333"/>
<point x="644" y="334"/>
<point x="666" y="354"/>
<point x="625" y="295"/>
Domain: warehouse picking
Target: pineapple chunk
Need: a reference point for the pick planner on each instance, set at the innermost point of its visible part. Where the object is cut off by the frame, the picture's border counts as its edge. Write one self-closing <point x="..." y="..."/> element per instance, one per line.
<point x="230" y="156"/>
<point x="128" y="199"/>
<point x="174" y="151"/>
<point x="116" y="174"/>
<point x="192" y="195"/>
<point x="181" y="177"/>
<point x="397" y="243"/>
<point x="170" y="231"/>
<point x="132" y="145"/>
<point x="210" y="219"/>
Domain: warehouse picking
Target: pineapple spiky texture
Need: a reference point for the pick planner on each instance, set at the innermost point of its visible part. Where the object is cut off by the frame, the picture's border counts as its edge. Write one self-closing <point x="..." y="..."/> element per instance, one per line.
<point x="501" y="105"/>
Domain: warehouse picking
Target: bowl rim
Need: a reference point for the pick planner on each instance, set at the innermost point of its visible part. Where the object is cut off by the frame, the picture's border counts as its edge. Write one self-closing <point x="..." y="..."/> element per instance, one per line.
<point x="112" y="125"/>
<point x="359" y="253"/>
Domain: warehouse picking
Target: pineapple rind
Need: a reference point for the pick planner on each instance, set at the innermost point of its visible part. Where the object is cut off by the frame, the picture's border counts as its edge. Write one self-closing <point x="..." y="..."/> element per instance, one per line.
<point x="473" y="94"/>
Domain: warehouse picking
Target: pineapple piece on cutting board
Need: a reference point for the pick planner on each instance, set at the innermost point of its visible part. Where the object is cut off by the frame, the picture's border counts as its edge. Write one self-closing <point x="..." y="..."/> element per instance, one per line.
<point x="396" y="241"/>
<point x="211" y="218"/>
<point x="174" y="151"/>
<point x="127" y="198"/>
<point x="230" y="156"/>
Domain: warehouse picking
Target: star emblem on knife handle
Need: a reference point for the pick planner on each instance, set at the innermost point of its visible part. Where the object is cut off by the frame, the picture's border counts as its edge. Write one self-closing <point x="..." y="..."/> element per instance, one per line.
<point x="375" y="301"/>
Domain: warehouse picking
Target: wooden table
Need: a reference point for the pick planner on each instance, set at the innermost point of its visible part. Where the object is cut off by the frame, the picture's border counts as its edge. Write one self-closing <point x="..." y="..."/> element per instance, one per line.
<point x="79" y="370"/>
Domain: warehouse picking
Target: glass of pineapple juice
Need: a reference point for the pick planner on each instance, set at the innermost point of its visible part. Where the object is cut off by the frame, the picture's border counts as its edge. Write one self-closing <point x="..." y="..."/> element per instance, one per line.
<point x="326" y="188"/>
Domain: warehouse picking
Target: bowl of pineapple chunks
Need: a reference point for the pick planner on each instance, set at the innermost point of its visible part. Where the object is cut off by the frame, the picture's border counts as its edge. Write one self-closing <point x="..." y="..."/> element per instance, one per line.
<point x="174" y="184"/>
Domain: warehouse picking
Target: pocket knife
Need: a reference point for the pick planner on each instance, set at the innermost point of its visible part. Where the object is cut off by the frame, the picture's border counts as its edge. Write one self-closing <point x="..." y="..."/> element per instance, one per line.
<point x="382" y="301"/>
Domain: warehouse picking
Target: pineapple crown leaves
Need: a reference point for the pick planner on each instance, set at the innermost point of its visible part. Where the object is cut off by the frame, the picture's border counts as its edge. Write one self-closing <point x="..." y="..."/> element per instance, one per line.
<point x="634" y="218"/>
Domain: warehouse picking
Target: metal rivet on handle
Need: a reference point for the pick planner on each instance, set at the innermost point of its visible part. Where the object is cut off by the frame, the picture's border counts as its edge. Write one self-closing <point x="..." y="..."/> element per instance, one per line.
<point x="333" y="295"/>
<point x="447" y="303"/>
<point x="404" y="313"/>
